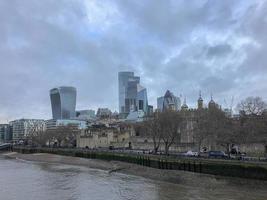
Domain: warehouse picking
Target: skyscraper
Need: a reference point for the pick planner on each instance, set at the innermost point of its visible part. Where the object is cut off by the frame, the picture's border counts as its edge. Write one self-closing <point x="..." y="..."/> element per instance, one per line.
<point x="168" y="102"/>
<point x="63" y="102"/>
<point x="132" y="96"/>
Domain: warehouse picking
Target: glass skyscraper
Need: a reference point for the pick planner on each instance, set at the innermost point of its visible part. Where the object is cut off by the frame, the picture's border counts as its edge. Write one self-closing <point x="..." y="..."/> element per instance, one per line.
<point x="168" y="102"/>
<point x="132" y="96"/>
<point x="63" y="102"/>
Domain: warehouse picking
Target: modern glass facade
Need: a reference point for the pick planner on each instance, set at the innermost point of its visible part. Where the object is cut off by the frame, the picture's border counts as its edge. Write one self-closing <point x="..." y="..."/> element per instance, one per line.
<point x="22" y="128"/>
<point x="63" y="102"/>
<point x="132" y="96"/>
<point x="142" y="99"/>
<point x="168" y="102"/>
<point x="124" y="79"/>
<point x="52" y="124"/>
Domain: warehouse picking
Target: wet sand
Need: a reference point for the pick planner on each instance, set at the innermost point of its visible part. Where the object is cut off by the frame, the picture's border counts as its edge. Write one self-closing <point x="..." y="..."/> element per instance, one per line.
<point x="170" y="176"/>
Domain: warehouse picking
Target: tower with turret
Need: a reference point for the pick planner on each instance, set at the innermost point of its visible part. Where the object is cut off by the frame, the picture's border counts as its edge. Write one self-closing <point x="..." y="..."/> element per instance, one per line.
<point x="200" y="101"/>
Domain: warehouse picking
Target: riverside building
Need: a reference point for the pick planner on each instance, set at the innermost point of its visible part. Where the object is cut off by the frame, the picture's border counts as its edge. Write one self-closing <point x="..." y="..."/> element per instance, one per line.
<point x="22" y="128"/>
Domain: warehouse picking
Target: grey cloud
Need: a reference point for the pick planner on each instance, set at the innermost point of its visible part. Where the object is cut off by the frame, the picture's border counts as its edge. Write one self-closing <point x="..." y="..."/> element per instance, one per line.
<point x="219" y="50"/>
<point x="173" y="45"/>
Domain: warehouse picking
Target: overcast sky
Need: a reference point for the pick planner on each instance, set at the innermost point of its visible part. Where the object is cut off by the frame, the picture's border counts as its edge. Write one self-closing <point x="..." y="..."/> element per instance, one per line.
<point x="216" y="46"/>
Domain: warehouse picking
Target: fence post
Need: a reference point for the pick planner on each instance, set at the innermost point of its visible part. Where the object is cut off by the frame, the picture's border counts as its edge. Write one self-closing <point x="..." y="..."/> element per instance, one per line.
<point x="189" y="166"/>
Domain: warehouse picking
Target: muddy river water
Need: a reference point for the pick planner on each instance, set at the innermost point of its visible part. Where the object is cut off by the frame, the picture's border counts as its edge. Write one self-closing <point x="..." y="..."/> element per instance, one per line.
<point x="23" y="180"/>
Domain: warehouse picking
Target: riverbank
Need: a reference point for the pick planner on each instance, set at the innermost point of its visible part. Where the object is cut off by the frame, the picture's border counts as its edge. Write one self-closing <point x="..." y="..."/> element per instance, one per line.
<point x="220" y="167"/>
<point x="169" y="176"/>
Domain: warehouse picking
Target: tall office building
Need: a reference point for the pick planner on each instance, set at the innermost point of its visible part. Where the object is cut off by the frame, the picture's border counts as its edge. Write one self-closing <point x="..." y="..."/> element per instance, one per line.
<point x="63" y="102"/>
<point x="168" y="102"/>
<point x="132" y="96"/>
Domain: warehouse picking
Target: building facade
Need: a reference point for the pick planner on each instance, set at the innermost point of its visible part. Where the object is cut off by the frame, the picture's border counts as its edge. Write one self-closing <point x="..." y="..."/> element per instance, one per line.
<point x="5" y="133"/>
<point x="53" y="124"/>
<point x="132" y="96"/>
<point x="85" y="114"/>
<point x="168" y="102"/>
<point x="22" y="128"/>
<point x="104" y="113"/>
<point x="63" y="102"/>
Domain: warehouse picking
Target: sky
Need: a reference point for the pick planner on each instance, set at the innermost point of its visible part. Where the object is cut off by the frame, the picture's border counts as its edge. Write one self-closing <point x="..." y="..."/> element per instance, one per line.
<point x="218" y="47"/>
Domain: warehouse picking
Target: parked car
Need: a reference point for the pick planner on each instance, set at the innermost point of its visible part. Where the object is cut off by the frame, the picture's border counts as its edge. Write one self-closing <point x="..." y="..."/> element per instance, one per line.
<point x="191" y="153"/>
<point x="239" y="155"/>
<point x="217" y="154"/>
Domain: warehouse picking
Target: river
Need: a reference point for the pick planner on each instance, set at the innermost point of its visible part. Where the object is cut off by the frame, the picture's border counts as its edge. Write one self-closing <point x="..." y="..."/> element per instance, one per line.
<point x="24" y="180"/>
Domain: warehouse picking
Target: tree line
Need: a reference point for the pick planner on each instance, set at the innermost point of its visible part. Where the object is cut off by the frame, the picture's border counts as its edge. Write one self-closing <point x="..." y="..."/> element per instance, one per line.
<point x="59" y="136"/>
<point x="216" y="126"/>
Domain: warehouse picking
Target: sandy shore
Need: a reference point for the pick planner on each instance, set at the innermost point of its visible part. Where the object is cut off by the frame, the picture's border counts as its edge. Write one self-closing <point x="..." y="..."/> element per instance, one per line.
<point x="171" y="176"/>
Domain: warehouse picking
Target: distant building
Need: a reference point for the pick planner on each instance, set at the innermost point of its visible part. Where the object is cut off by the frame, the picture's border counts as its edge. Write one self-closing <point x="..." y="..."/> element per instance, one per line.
<point x="184" y="106"/>
<point x="150" y="110"/>
<point x="135" y="116"/>
<point x="103" y="137"/>
<point x="22" y="128"/>
<point x="200" y="102"/>
<point x="5" y="133"/>
<point x="53" y="124"/>
<point x="132" y="96"/>
<point x="212" y="104"/>
<point x="63" y="102"/>
<point x="160" y="103"/>
<point x="85" y="114"/>
<point x="169" y="102"/>
<point x="103" y="113"/>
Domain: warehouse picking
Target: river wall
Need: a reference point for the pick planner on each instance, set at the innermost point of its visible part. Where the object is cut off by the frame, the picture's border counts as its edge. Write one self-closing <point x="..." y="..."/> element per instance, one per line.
<point x="214" y="167"/>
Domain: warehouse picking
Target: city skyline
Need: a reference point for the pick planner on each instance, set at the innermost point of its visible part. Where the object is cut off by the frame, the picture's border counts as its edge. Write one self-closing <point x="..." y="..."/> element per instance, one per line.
<point x="213" y="47"/>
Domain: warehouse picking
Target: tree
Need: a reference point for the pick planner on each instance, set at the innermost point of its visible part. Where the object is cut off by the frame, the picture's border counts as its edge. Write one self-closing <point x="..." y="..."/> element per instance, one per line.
<point x="252" y="106"/>
<point x="64" y="135"/>
<point x="170" y="124"/>
<point x="209" y="124"/>
<point x="38" y="137"/>
<point x="228" y="133"/>
<point x="201" y="131"/>
<point x="151" y="127"/>
<point x="253" y="119"/>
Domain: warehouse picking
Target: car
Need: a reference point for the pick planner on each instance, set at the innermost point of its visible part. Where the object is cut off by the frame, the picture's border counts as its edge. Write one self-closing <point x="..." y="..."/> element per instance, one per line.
<point x="217" y="154"/>
<point x="237" y="155"/>
<point x="191" y="153"/>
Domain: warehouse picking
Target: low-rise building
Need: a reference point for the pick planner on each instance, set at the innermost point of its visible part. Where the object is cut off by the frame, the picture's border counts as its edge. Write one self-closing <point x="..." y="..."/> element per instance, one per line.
<point x="101" y="136"/>
<point x="103" y="113"/>
<point x="85" y="114"/>
<point x="22" y="128"/>
<point x="53" y="124"/>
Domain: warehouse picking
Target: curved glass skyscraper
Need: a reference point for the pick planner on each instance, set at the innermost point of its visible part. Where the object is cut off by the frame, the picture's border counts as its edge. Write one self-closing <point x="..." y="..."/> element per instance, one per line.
<point x="63" y="102"/>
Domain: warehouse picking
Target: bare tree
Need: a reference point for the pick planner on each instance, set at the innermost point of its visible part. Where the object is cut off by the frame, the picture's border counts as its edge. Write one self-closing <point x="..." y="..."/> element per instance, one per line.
<point x="228" y="133"/>
<point x="151" y="127"/>
<point x="201" y="127"/>
<point x="252" y="106"/>
<point x="170" y="123"/>
<point x="38" y="137"/>
<point x="253" y="120"/>
<point x="64" y="135"/>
